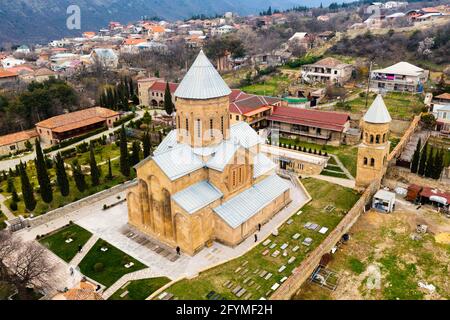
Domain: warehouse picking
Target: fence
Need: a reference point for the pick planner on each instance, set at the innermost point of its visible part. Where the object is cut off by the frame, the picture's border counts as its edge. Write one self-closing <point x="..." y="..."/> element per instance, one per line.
<point x="307" y="267"/>
<point x="58" y="213"/>
<point x="405" y="139"/>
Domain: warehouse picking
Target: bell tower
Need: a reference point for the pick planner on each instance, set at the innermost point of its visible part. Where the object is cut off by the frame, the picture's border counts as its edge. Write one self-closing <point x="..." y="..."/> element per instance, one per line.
<point x="202" y="103"/>
<point x="374" y="148"/>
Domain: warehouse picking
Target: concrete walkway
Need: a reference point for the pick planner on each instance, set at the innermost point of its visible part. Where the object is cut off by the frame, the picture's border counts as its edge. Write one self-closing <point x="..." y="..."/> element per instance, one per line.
<point x="339" y="181"/>
<point x="5" y="209"/>
<point x="87" y="246"/>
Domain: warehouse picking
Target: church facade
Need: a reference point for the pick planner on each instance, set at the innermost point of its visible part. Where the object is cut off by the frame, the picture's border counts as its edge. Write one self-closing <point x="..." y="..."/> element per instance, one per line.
<point x="208" y="180"/>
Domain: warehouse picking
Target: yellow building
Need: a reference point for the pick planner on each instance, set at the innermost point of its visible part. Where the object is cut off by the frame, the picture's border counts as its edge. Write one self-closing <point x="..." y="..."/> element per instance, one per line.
<point x="374" y="148"/>
<point x="208" y="180"/>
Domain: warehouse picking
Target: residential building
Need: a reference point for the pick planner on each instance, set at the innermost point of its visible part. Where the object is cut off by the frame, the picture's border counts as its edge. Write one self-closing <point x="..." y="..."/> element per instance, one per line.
<point x="441" y="111"/>
<point x="320" y="127"/>
<point x="374" y="148"/>
<point x="302" y="39"/>
<point x="10" y="62"/>
<point x="107" y="57"/>
<point x="152" y="91"/>
<point x="328" y="70"/>
<point x="7" y="76"/>
<point x="401" y="76"/>
<point x="17" y="141"/>
<point x="208" y="180"/>
<point x="56" y="129"/>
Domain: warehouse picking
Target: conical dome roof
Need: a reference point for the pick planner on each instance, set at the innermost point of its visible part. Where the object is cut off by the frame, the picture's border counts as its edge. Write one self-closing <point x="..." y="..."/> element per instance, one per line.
<point x="377" y="113"/>
<point x="202" y="81"/>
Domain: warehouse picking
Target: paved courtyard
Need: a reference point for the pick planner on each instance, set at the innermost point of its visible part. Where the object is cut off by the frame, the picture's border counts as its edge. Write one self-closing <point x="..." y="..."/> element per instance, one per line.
<point x="110" y="224"/>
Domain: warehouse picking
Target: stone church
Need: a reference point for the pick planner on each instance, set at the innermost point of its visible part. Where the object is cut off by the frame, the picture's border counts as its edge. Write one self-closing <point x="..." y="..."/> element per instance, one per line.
<point x="207" y="180"/>
<point x="375" y="145"/>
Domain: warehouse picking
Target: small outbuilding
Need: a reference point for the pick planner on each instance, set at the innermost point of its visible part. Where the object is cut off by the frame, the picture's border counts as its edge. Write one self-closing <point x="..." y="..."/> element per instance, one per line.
<point x="384" y="201"/>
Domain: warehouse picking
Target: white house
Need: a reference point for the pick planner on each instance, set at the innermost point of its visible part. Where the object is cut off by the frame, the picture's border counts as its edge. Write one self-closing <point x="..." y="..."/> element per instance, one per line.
<point x="10" y="62"/>
<point x="401" y="76"/>
<point x="23" y="49"/>
<point x="107" y="57"/>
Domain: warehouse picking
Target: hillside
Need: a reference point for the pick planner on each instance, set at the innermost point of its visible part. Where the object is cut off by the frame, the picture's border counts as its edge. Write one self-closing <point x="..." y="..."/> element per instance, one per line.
<point x="36" y="21"/>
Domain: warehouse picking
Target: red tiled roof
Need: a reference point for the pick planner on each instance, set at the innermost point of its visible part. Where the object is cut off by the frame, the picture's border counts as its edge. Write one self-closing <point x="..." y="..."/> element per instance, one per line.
<point x="428" y="192"/>
<point x="17" y="137"/>
<point x="444" y="96"/>
<point x="77" y="119"/>
<point x="7" y="74"/>
<point x="320" y="119"/>
<point x="244" y="103"/>
<point x="161" y="86"/>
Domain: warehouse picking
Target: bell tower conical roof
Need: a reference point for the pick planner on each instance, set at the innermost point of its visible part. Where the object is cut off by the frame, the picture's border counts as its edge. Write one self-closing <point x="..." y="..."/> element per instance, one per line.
<point x="377" y="113"/>
<point x="202" y="81"/>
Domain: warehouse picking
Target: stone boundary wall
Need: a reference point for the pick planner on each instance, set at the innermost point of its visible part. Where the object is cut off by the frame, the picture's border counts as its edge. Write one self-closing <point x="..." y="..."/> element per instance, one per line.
<point x="60" y="212"/>
<point x="405" y="139"/>
<point x="307" y="267"/>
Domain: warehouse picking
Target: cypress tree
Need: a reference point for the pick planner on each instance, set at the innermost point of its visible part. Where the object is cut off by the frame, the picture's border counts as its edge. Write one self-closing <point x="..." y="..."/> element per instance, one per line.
<point x="423" y="160"/>
<point x="95" y="172"/>
<point x="168" y="104"/>
<point x="110" y="175"/>
<point x="135" y="158"/>
<point x="27" y="189"/>
<point x="10" y="184"/>
<point x="42" y="175"/>
<point x="146" y="144"/>
<point x="429" y="168"/>
<point x="15" y="196"/>
<point x="124" y="164"/>
<point x="438" y="164"/>
<point x="416" y="158"/>
<point x="61" y="176"/>
<point x="78" y="176"/>
<point x="131" y="86"/>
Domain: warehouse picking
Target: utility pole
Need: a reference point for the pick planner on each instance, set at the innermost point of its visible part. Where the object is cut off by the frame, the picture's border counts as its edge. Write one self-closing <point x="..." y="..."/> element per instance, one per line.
<point x="368" y="83"/>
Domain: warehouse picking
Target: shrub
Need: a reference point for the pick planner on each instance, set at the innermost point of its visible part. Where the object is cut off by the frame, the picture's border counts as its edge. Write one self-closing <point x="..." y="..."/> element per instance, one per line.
<point x="68" y="142"/>
<point x="99" y="267"/>
<point x="123" y="120"/>
<point x="13" y="206"/>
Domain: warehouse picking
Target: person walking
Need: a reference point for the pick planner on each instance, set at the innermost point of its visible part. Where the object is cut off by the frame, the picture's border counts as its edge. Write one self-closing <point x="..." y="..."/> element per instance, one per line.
<point x="80" y="248"/>
<point x="259" y="227"/>
<point x="178" y="251"/>
<point x="256" y="237"/>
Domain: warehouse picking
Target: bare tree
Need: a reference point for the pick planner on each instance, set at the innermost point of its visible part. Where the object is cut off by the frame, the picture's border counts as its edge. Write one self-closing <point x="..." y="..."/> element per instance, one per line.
<point x="24" y="265"/>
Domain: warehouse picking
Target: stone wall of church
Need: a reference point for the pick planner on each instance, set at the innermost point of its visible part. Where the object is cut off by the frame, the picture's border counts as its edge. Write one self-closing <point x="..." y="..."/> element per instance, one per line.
<point x="196" y="117"/>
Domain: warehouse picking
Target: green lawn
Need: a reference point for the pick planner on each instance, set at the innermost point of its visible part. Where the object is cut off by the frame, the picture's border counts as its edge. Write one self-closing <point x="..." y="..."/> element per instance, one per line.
<point x="402" y="106"/>
<point x="347" y="154"/>
<point x="75" y="194"/>
<point x="107" y="267"/>
<point x="443" y="143"/>
<point x="56" y="242"/>
<point x="323" y="194"/>
<point x="273" y="86"/>
<point x="140" y="289"/>
<point x="333" y="167"/>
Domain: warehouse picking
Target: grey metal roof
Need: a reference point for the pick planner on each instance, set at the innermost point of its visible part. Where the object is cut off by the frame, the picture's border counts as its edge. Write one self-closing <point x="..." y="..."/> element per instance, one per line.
<point x="222" y="156"/>
<point x="197" y="196"/>
<point x="202" y="81"/>
<point x="262" y="165"/>
<point x="377" y="113"/>
<point x="249" y="202"/>
<point x="178" y="162"/>
<point x="246" y="136"/>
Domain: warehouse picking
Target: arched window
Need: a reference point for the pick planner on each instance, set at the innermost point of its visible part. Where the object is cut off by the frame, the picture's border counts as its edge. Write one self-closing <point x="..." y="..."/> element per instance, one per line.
<point x="372" y="162"/>
<point x="365" y="161"/>
<point x="211" y="125"/>
<point x="221" y="124"/>
<point x="367" y="137"/>
<point x="199" y="134"/>
<point x="187" y="126"/>
<point x="179" y="125"/>
<point x="384" y="138"/>
<point x="371" y="138"/>
<point x="377" y="139"/>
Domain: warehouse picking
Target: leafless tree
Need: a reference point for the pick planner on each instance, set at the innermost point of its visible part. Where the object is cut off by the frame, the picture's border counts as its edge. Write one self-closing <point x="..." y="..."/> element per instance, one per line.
<point x="24" y="265"/>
